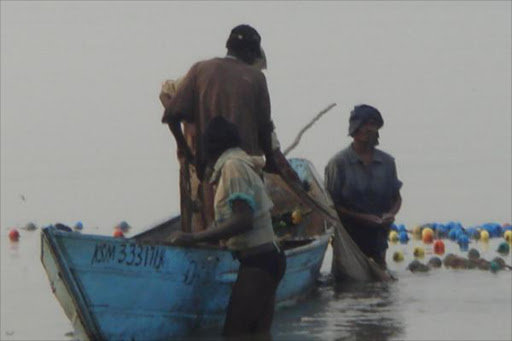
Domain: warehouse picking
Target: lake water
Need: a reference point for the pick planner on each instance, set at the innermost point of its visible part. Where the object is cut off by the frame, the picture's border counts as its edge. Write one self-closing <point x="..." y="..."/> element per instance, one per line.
<point x="443" y="304"/>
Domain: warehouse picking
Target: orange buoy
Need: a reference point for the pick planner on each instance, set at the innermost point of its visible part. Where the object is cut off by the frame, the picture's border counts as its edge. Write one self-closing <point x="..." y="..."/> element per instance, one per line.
<point x="427" y="235"/>
<point x="439" y="247"/>
<point x="14" y="235"/>
<point x="118" y="233"/>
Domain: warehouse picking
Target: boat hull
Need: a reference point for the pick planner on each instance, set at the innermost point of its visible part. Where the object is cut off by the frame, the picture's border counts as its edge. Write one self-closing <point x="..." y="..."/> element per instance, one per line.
<point x="113" y="288"/>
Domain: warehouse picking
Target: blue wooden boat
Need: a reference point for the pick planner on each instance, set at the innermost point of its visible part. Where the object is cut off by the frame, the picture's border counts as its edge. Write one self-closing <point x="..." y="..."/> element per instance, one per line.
<point x="141" y="288"/>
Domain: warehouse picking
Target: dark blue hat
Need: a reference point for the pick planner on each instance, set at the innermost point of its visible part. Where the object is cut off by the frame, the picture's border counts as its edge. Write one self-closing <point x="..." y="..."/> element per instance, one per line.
<point x="244" y="37"/>
<point x="360" y="115"/>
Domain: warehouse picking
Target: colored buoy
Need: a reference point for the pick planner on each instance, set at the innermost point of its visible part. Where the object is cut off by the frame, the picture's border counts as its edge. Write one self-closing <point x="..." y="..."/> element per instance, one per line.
<point x="398" y="256"/>
<point x="473" y="254"/>
<point x="484" y="236"/>
<point x="496" y="230"/>
<point x="508" y="236"/>
<point x="435" y="262"/>
<point x="503" y="248"/>
<point x="393" y="236"/>
<point x="417" y="266"/>
<point x="473" y="233"/>
<point x="30" y="227"/>
<point x="118" y="233"/>
<point x="453" y="234"/>
<point x="476" y="235"/>
<point x="123" y="226"/>
<point x="419" y="252"/>
<point x="14" y="235"/>
<point x="78" y="226"/>
<point x="456" y="262"/>
<point x="463" y="242"/>
<point x="416" y="232"/>
<point x="501" y="262"/>
<point x="439" y="247"/>
<point x="296" y="217"/>
<point x="495" y="267"/>
<point x="403" y="237"/>
<point x="441" y="232"/>
<point x="427" y="235"/>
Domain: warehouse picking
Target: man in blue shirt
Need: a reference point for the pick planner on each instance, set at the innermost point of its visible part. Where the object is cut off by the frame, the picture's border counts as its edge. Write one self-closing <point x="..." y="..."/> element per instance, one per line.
<point x="363" y="184"/>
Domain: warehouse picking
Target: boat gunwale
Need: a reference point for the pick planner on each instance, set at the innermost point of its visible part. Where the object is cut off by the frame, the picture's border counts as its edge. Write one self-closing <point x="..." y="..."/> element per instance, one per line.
<point x="313" y="240"/>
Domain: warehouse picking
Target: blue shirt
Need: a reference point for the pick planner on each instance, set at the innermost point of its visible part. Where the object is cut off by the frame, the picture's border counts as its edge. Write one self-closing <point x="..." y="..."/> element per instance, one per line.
<point x="362" y="188"/>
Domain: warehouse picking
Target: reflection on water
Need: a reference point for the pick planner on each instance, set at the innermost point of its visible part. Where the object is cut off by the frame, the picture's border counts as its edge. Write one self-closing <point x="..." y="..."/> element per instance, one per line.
<point x="349" y="311"/>
<point x="369" y="310"/>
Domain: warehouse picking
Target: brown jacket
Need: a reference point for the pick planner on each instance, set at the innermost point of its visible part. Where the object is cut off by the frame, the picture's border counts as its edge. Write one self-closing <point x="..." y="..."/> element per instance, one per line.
<point x="225" y="87"/>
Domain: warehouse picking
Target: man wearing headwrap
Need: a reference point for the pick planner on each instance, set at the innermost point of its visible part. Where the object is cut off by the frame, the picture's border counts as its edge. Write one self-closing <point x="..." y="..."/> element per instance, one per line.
<point x="233" y="87"/>
<point x="363" y="183"/>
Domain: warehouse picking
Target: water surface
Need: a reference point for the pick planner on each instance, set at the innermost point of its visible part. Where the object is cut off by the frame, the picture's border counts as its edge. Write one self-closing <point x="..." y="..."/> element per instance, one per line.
<point x="442" y="304"/>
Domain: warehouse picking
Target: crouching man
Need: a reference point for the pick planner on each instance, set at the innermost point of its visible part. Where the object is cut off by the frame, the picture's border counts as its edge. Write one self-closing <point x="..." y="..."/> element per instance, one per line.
<point x="243" y="223"/>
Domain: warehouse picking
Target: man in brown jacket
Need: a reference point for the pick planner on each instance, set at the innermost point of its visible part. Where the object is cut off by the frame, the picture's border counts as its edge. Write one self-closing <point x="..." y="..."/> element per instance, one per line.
<point x="233" y="87"/>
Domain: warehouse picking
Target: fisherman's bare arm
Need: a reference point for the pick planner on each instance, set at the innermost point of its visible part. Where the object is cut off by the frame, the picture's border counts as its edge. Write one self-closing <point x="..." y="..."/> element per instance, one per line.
<point x="183" y="148"/>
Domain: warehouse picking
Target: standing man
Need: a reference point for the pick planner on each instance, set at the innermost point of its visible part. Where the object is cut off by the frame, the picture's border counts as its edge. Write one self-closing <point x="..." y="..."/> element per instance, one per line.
<point x="363" y="183"/>
<point x="233" y="87"/>
<point x="243" y="221"/>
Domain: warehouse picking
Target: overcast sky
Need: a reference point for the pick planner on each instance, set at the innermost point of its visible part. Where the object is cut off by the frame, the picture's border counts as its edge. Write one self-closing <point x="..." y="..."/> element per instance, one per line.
<point x="81" y="137"/>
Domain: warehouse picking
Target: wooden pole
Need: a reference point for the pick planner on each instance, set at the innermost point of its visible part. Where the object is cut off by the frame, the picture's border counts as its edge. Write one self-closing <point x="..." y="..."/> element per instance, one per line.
<point x="306" y="127"/>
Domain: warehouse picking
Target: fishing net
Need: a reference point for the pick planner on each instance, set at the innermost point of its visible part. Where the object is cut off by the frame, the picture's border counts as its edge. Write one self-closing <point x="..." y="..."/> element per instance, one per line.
<point x="348" y="262"/>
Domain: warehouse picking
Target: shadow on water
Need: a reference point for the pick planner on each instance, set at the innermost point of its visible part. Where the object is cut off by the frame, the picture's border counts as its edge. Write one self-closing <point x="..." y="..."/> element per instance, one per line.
<point x="348" y="311"/>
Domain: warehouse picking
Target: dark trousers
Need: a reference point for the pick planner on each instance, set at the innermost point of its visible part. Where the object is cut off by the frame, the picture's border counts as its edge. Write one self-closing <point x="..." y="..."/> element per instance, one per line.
<point x="252" y="302"/>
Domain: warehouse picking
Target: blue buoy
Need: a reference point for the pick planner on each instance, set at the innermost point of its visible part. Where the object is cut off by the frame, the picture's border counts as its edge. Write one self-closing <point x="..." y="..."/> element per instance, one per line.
<point x="497" y="231"/>
<point x="442" y="232"/>
<point x="403" y="237"/>
<point x="463" y="242"/>
<point x="401" y="228"/>
<point x="78" y="226"/>
<point x="472" y="233"/>
<point x="452" y="234"/>
<point x="123" y="226"/>
<point x="494" y="229"/>
<point x="460" y="233"/>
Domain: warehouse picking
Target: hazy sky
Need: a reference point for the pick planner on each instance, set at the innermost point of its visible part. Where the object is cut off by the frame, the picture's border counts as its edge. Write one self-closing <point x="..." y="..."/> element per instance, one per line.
<point x="81" y="137"/>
